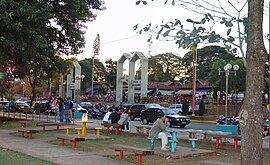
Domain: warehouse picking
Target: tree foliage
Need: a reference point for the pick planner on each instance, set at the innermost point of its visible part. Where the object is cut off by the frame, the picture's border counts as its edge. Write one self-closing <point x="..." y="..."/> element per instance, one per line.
<point x="33" y="33"/>
<point x="202" y="29"/>
<point x="164" y="67"/>
<point x="206" y="56"/>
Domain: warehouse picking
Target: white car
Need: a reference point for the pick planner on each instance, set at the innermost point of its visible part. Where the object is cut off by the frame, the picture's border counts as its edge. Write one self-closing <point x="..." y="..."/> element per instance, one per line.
<point x="78" y="108"/>
<point x="177" y="108"/>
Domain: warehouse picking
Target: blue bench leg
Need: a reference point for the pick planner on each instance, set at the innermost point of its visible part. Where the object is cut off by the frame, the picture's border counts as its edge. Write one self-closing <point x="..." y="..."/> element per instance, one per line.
<point x="152" y="143"/>
<point x="193" y="145"/>
<point x="174" y="141"/>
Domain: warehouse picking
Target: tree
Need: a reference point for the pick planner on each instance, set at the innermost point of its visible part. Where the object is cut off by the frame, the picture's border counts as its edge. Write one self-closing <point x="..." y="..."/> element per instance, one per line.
<point x="110" y="74"/>
<point x="206" y="56"/>
<point x="164" y="67"/>
<point x="236" y="80"/>
<point x="99" y="72"/>
<point x="251" y="115"/>
<point x="32" y="33"/>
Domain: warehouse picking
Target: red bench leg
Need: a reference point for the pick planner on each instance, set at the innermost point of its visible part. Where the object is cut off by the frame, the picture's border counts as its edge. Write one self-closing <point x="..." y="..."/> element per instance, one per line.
<point x="217" y="142"/>
<point x="73" y="142"/>
<point x="58" y="127"/>
<point x="30" y="134"/>
<point x="22" y="133"/>
<point x="62" y="141"/>
<point x="139" y="158"/>
<point x="121" y="153"/>
<point x="43" y="128"/>
<point x="107" y="130"/>
<point x="116" y="130"/>
<point x="24" y="125"/>
<point x="235" y="144"/>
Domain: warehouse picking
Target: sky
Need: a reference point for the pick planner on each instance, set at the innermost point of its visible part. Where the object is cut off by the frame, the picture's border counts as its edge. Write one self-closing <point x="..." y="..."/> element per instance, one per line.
<point x="117" y="36"/>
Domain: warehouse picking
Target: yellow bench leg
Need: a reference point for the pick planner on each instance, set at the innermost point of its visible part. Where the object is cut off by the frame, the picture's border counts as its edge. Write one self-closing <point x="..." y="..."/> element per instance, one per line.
<point x="98" y="132"/>
<point x="67" y="131"/>
<point x="79" y="131"/>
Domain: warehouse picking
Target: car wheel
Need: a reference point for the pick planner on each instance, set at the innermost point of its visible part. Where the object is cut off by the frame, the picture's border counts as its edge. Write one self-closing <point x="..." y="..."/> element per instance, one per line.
<point x="132" y="117"/>
<point x="182" y="126"/>
<point x="145" y="121"/>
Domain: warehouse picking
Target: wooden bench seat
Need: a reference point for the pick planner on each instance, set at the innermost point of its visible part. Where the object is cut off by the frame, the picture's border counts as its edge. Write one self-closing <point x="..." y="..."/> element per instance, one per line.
<point x="143" y="129"/>
<point x="43" y="125"/>
<point x="73" y="139"/>
<point x="24" y="122"/>
<point x="139" y="152"/>
<point x="28" y="131"/>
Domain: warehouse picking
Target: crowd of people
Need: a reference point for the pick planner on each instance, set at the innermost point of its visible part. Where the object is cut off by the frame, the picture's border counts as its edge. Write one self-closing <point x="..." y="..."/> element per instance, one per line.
<point x="115" y="118"/>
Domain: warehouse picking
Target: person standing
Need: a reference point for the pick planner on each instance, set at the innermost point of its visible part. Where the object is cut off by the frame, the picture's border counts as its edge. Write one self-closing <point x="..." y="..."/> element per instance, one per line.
<point x="67" y="108"/>
<point x="61" y="109"/>
<point x="157" y="131"/>
<point x="12" y="105"/>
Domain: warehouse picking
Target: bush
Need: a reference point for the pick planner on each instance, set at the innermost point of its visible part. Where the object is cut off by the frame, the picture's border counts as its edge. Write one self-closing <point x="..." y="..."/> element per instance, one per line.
<point x="185" y="107"/>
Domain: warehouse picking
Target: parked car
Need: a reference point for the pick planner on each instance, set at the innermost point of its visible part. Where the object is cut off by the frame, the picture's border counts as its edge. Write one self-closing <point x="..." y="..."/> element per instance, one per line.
<point x="136" y="109"/>
<point x="177" y="108"/>
<point x="21" y="106"/>
<point x="41" y="106"/>
<point x="150" y="115"/>
<point x="124" y="106"/>
<point x="86" y="105"/>
<point x="78" y="108"/>
<point x="4" y="106"/>
<point x="196" y="109"/>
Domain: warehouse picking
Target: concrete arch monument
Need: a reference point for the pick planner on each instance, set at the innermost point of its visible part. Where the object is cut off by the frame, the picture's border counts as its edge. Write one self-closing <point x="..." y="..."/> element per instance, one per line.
<point x="143" y="83"/>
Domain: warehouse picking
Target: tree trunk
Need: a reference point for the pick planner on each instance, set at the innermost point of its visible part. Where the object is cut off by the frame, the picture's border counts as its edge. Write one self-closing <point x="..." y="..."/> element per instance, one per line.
<point x="251" y="115"/>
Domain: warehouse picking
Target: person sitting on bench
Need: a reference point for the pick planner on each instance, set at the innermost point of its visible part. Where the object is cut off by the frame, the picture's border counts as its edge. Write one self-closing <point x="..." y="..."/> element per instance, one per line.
<point x="106" y="117"/>
<point x="115" y="117"/>
<point x="157" y="131"/>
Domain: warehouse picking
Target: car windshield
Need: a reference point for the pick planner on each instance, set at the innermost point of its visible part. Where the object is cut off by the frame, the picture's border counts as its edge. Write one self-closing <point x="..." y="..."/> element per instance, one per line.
<point x="169" y="112"/>
<point x="75" y="105"/>
<point x="86" y="103"/>
<point x="153" y="106"/>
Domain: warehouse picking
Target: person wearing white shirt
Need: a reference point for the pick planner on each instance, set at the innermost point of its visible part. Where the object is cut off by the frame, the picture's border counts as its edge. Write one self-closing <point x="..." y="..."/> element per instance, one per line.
<point x="106" y="117"/>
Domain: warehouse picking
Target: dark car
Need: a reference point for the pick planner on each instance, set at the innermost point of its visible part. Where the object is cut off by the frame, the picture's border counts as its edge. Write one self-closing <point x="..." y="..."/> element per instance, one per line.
<point x="150" y="115"/>
<point x="136" y="109"/>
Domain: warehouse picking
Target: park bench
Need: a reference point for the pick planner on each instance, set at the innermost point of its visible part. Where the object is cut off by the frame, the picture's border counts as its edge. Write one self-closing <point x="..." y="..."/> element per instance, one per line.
<point x="193" y="132"/>
<point x="72" y="138"/>
<point x="143" y="129"/>
<point x="115" y="127"/>
<point x="43" y="125"/>
<point x="24" y="122"/>
<point x="139" y="152"/>
<point x="97" y="129"/>
<point x="28" y="131"/>
<point x="218" y="135"/>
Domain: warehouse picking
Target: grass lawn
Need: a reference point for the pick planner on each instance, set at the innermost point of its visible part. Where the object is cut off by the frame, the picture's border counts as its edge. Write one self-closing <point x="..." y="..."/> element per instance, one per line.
<point x="9" y="157"/>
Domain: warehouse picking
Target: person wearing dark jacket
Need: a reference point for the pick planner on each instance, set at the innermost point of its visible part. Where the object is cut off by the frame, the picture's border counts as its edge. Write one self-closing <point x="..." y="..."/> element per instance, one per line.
<point x="115" y="117"/>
